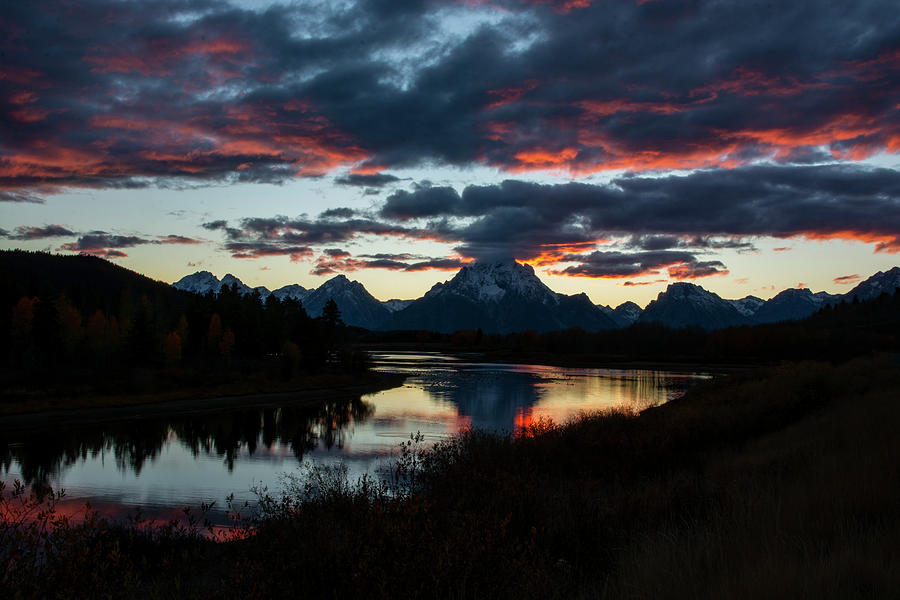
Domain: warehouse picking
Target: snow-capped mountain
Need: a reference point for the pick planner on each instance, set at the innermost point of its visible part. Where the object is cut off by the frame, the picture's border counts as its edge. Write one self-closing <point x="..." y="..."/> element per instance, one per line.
<point x="498" y="297"/>
<point x="792" y="304"/>
<point x="747" y="305"/>
<point x="201" y="282"/>
<point x="505" y="296"/>
<point x="688" y="305"/>
<point x="879" y="283"/>
<point x="230" y="280"/>
<point x="393" y="305"/>
<point x="293" y="291"/>
<point x="624" y="314"/>
<point x="493" y="281"/>
<point x="358" y="307"/>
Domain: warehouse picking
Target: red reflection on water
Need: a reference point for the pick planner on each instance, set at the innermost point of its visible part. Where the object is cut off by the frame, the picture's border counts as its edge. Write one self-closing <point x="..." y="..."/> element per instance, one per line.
<point x="52" y="513"/>
<point x="523" y="420"/>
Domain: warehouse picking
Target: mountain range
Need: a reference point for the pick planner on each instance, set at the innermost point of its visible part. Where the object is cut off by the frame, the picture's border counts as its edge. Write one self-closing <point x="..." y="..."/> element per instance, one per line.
<point x="505" y="297"/>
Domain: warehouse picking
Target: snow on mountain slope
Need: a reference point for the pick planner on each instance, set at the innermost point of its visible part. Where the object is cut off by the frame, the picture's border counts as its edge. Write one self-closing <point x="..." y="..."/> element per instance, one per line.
<point x="498" y="297"/>
<point x="201" y="282"/>
<point x="492" y="281"/>
<point x="879" y="283"/>
<point x="688" y="305"/>
<point x="293" y="291"/>
<point x="792" y="304"/>
<point x="393" y="305"/>
<point x="747" y="305"/>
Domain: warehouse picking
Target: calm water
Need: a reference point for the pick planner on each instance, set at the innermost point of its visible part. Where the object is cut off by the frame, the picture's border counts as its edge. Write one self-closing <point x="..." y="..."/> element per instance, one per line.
<point x="161" y="465"/>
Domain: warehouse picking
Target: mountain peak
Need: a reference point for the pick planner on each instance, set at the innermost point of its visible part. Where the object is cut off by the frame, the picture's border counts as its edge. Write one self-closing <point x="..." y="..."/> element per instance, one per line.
<point x="491" y="281"/>
<point x="877" y="284"/>
<point x="682" y="289"/>
<point x="200" y="282"/>
<point x="689" y="305"/>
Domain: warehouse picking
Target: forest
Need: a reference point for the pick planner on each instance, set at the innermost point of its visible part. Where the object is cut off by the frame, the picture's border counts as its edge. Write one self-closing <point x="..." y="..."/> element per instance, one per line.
<point x="81" y="324"/>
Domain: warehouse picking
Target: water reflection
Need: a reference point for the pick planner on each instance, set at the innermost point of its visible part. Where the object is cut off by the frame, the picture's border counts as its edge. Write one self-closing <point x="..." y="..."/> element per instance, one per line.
<point x="503" y="397"/>
<point x="157" y="464"/>
<point x="44" y="457"/>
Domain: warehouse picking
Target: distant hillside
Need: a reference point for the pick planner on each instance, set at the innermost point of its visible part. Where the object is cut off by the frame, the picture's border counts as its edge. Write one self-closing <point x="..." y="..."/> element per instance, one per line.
<point x="90" y="283"/>
<point x="68" y="318"/>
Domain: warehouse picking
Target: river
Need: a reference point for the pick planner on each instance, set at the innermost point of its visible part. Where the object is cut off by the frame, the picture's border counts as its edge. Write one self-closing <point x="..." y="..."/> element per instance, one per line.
<point x="160" y="465"/>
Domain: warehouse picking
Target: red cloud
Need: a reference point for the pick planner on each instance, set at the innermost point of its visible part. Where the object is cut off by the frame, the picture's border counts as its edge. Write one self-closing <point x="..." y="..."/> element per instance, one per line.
<point x="847" y="279"/>
<point x="162" y="57"/>
<point x="884" y="242"/>
<point x="509" y="95"/>
<point x="696" y="271"/>
<point x="636" y="283"/>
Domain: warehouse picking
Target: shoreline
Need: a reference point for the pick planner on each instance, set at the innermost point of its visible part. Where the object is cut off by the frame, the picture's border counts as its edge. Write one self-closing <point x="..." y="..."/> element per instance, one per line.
<point x="571" y="361"/>
<point x="49" y="420"/>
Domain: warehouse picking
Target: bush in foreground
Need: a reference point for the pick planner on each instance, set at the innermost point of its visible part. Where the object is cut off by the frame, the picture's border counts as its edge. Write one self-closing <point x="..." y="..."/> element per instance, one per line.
<point x="781" y="483"/>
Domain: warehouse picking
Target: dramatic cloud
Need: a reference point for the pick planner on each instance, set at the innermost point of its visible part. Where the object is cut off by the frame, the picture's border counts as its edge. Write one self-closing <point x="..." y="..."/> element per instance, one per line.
<point x="709" y="210"/>
<point x="131" y="94"/>
<point x="631" y="226"/>
<point x="338" y="213"/>
<point x="374" y="180"/>
<point x="101" y="243"/>
<point x="341" y="261"/>
<point x="39" y="233"/>
<point x="178" y="239"/>
<point x="679" y="265"/>
<point x="23" y="196"/>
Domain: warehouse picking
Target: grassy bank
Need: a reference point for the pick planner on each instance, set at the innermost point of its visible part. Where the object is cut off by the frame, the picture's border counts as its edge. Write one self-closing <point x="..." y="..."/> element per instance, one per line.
<point x="776" y="483"/>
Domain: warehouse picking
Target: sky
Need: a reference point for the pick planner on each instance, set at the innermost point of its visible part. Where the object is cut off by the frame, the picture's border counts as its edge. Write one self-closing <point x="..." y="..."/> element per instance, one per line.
<point x="617" y="146"/>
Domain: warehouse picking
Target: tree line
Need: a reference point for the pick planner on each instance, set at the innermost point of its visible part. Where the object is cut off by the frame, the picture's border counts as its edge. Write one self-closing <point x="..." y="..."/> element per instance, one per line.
<point x="107" y="320"/>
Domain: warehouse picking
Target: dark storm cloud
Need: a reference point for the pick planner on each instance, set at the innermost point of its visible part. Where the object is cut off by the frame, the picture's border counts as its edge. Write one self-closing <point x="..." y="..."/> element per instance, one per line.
<point x="680" y="265"/>
<point x="423" y="202"/>
<point x="336" y="252"/>
<point x="337" y="213"/>
<point x="100" y="239"/>
<point x="710" y="210"/>
<point x="340" y="261"/>
<point x="259" y="237"/>
<point x="676" y="219"/>
<point x="253" y="249"/>
<point x="6" y="196"/>
<point x="214" y="225"/>
<point x="101" y="93"/>
<point x="38" y="233"/>
<point x="178" y="239"/>
<point x="376" y="180"/>
<point x="102" y="243"/>
<point x="666" y="242"/>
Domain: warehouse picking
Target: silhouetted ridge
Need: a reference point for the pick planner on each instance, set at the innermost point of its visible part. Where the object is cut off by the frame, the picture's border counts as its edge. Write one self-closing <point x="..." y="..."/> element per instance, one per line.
<point x="498" y="297"/>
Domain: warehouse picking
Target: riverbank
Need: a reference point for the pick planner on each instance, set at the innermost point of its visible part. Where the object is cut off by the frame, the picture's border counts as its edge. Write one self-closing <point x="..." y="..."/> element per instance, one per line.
<point x="69" y="412"/>
<point x="776" y="483"/>
<point x="550" y="359"/>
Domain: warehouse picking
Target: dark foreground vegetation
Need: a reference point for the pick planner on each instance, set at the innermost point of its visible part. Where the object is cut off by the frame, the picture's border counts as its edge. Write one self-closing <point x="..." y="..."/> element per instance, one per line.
<point x="779" y="483"/>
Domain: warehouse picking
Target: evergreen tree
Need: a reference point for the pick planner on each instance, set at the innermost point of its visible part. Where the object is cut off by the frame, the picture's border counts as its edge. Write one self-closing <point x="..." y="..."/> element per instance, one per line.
<point x="331" y="313"/>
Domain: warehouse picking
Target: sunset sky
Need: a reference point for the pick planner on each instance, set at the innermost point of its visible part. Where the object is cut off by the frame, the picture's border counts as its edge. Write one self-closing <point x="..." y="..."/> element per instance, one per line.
<point x="615" y="145"/>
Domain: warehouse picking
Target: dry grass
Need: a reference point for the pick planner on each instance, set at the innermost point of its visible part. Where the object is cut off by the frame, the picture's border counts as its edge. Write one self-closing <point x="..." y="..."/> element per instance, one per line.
<point x="783" y="483"/>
